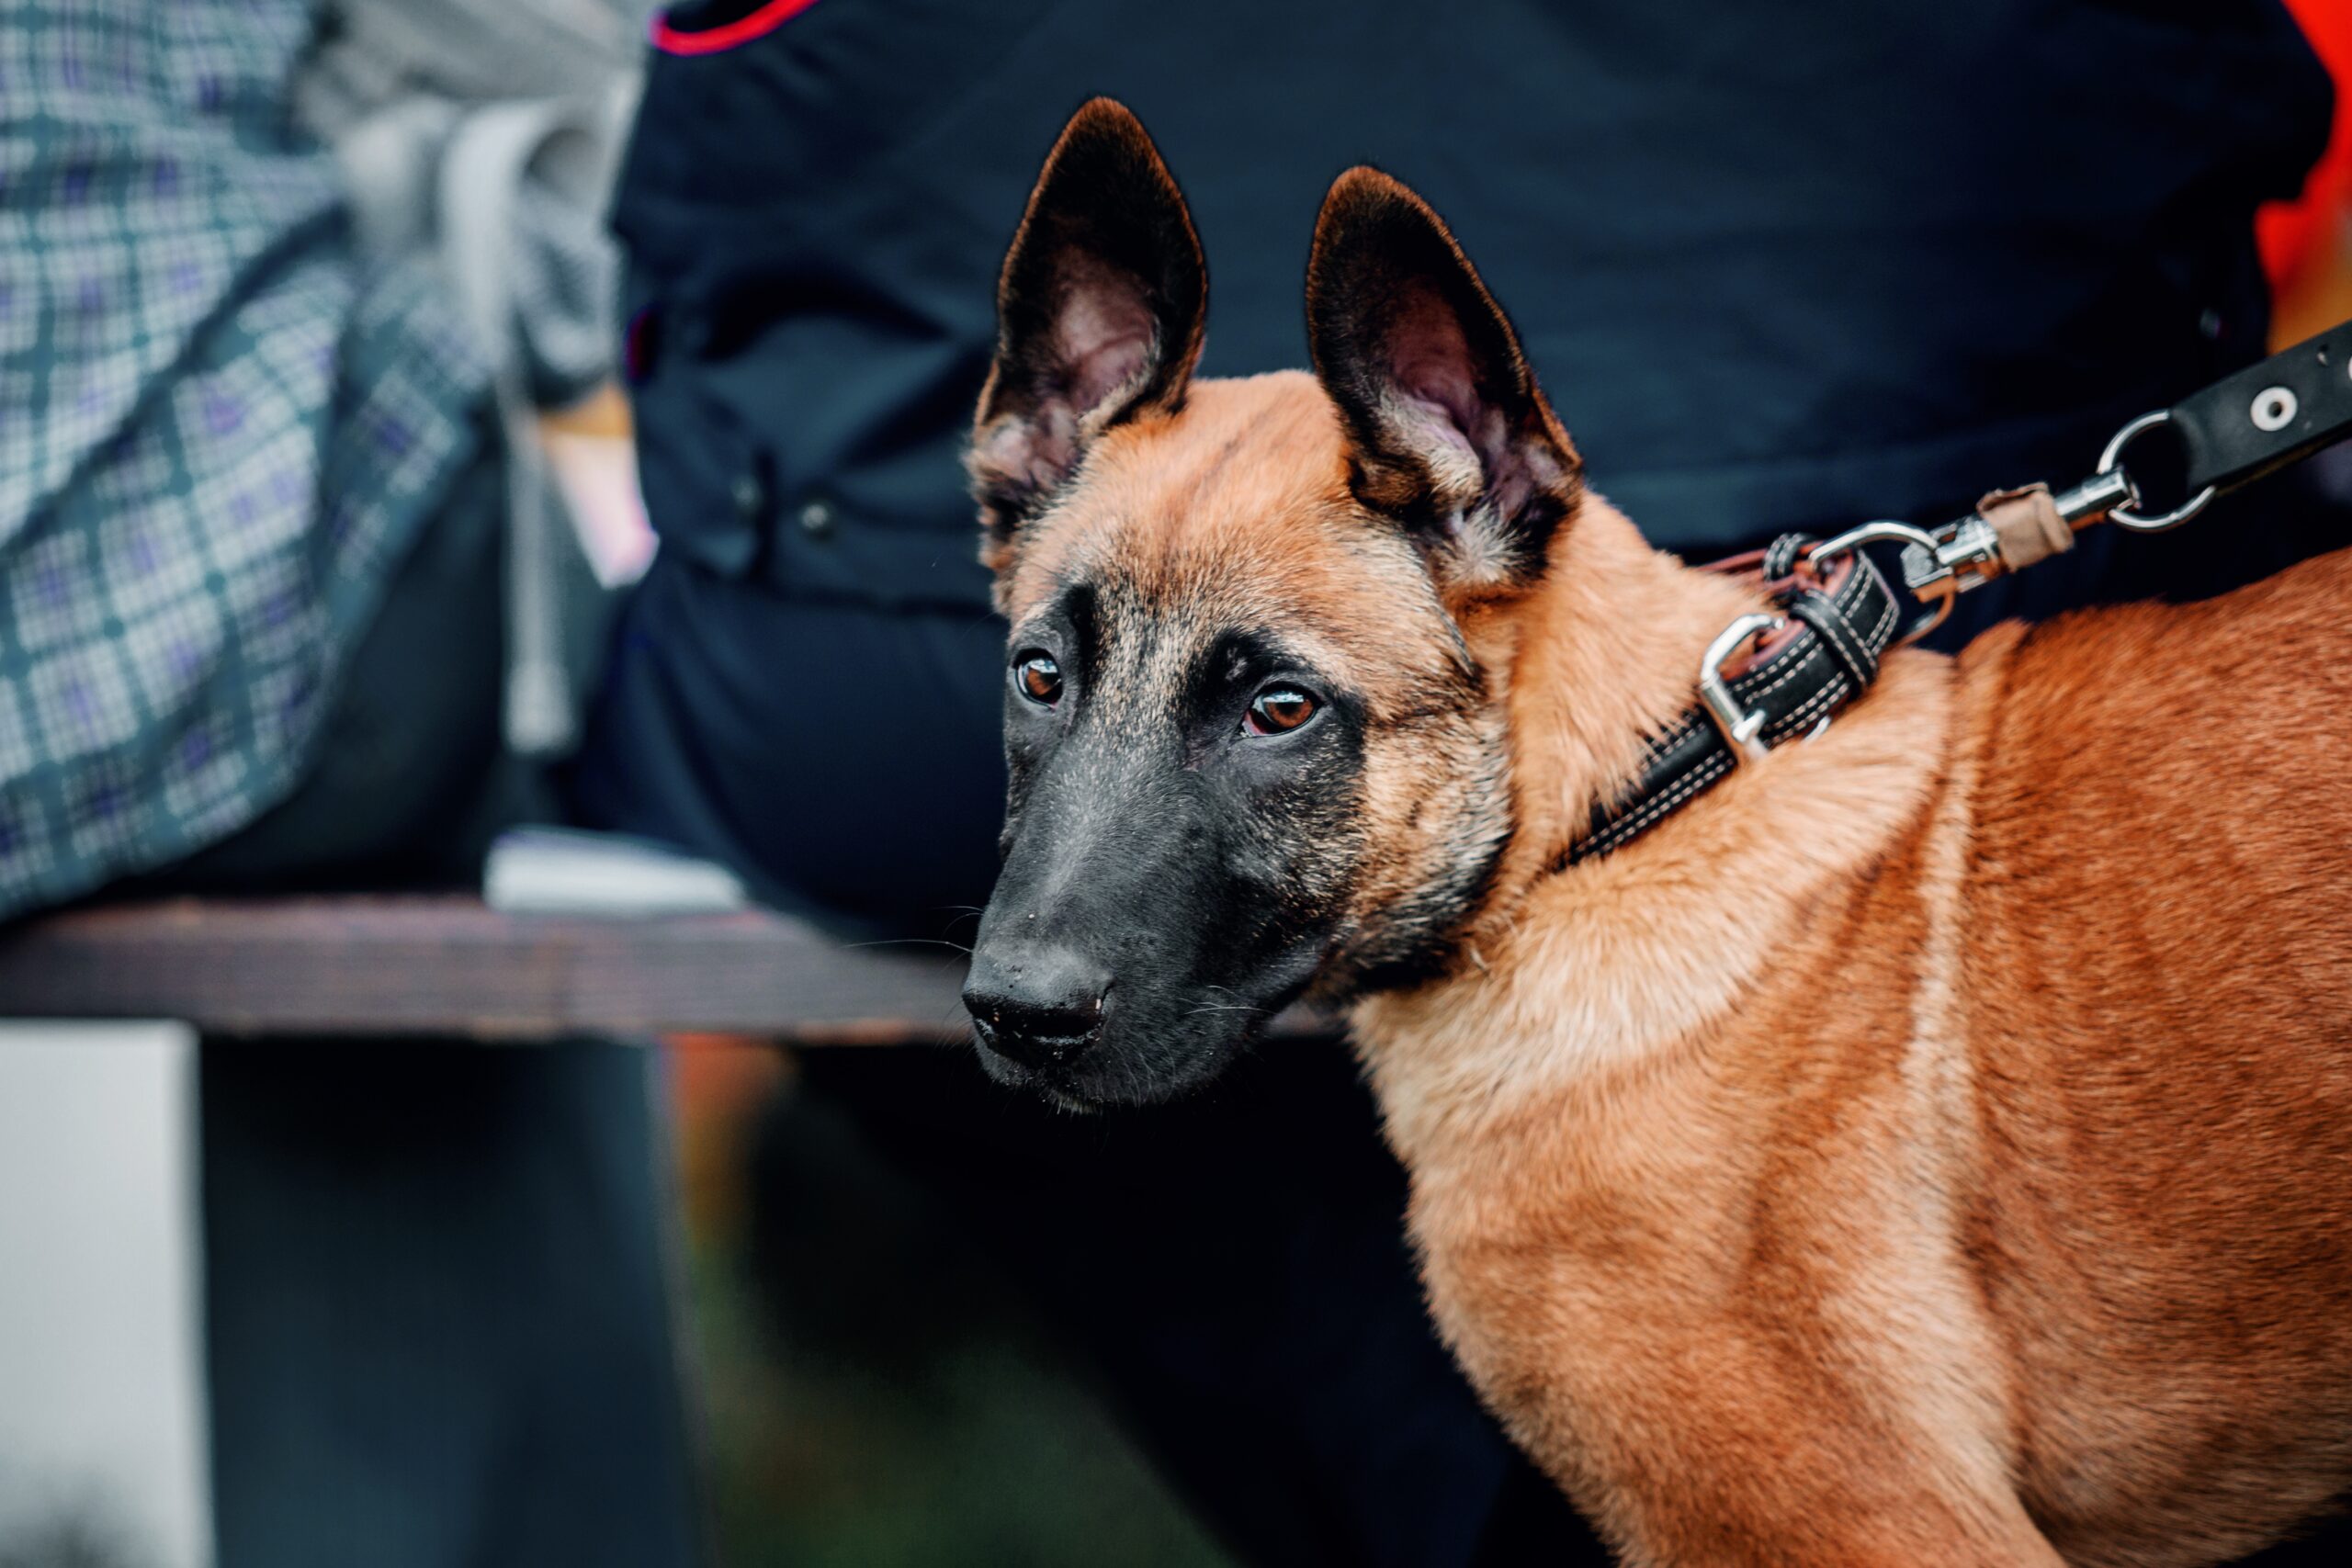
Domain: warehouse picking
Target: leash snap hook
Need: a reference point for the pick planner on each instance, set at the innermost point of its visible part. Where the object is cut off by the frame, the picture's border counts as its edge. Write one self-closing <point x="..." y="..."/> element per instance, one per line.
<point x="1931" y="565"/>
<point x="1742" y="731"/>
<point x="2110" y="461"/>
<point x="1883" y="532"/>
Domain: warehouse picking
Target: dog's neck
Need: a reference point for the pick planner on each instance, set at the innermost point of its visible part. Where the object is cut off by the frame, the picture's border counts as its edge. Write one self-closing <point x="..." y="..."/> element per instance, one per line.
<point x="1572" y="971"/>
<point x="1602" y="654"/>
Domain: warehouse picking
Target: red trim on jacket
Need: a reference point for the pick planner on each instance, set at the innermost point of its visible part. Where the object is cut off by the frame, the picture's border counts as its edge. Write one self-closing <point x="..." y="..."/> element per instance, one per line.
<point x="741" y="30"/>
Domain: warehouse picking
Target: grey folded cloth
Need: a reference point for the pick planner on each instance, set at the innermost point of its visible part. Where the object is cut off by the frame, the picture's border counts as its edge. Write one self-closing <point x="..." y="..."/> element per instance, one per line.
<point x="486" y="134"/>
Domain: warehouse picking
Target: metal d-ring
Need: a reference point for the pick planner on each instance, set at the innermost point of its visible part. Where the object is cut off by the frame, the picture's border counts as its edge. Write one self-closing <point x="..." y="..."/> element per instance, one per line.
<point x="2112" y="461"/>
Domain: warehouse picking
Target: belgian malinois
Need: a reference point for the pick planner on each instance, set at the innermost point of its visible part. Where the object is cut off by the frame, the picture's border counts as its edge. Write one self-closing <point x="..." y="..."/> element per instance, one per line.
<point x="1931" y="1146"/>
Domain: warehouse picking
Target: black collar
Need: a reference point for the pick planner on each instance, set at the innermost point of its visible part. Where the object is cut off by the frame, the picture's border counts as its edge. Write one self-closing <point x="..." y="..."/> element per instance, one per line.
<point x="1820" y="653"/>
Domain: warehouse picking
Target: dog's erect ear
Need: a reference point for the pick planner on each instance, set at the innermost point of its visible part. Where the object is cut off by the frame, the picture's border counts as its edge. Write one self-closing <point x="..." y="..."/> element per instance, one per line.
<point x="1447" y="431"/>
<point x="1100" y="312"/>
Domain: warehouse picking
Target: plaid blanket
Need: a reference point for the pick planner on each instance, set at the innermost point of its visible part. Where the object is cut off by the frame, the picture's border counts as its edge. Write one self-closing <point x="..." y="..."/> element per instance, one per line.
<point x="220" y="427"/>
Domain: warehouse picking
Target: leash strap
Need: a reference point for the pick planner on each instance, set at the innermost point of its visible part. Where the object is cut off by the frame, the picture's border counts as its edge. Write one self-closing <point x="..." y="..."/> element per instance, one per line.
<point x="1839" y="617"/>
<point x="2267" y="415"/>
<point x="2236" y="430"/>
<point x="1800" y="668"/>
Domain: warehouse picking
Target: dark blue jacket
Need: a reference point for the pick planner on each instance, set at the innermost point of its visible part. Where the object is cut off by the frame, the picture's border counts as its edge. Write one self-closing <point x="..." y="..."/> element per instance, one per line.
<point x="1778" y="264"/>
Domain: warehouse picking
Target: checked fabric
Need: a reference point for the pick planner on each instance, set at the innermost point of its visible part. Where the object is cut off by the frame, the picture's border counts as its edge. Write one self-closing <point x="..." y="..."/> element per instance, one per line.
<point x="220" y="428"/>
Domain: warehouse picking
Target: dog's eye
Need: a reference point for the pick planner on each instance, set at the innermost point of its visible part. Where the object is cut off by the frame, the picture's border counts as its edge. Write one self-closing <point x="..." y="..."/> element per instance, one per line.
<point x="1278" y="710"/>
<point x="1039" y="678"/>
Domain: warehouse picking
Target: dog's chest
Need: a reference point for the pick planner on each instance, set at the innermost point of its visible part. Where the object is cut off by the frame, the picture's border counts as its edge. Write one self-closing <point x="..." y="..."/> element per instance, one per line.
<point x="1625" y="1258"/>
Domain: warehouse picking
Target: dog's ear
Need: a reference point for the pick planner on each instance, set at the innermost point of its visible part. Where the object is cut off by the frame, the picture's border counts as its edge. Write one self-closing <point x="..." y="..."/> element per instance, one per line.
<point x="1100" y="312"/>
<point x="1447" y="431"/>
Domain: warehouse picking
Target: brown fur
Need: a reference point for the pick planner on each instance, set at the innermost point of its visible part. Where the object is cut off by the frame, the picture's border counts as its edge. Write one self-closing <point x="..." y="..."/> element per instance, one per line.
<point x="1933" y="1145"/>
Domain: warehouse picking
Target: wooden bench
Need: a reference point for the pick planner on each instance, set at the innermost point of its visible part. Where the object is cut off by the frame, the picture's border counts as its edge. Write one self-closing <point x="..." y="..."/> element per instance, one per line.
<point x="451" y="965"/>
<point x="454" y="966"/>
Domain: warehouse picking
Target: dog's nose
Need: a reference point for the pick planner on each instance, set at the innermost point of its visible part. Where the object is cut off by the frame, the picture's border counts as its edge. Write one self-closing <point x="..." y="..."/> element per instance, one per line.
<point x="1042" y="1008"/>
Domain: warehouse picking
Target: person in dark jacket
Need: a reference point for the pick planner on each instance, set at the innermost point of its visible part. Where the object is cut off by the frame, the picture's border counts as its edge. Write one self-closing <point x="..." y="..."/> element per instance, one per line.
<point x="1783" y="267"/>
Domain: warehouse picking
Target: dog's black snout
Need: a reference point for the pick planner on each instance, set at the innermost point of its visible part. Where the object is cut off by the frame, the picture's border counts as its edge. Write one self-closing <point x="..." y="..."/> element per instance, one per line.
<point x="1041" y="1009"/>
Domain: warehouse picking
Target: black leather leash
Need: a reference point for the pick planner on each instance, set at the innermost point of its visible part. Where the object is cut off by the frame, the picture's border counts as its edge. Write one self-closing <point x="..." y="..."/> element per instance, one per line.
<point x="2265" y="417"/>
<point x="1836" y="617"/>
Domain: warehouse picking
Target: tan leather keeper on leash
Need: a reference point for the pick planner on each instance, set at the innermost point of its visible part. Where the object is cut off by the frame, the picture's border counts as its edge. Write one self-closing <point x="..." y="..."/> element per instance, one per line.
<point x="2027" y="525"/>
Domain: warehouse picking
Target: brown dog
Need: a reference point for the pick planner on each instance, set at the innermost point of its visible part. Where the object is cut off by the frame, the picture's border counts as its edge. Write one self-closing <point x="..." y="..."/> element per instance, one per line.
<point x="1931" y="1146"/>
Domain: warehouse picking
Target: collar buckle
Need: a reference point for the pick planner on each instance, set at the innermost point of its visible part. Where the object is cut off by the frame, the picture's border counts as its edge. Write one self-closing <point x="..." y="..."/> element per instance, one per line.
<point x="1742" y="731"/>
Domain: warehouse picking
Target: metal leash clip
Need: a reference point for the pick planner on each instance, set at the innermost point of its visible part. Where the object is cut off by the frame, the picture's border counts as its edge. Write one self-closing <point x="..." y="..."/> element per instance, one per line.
<point x="1938" y="565"/>
<point x="1932" y="580"/>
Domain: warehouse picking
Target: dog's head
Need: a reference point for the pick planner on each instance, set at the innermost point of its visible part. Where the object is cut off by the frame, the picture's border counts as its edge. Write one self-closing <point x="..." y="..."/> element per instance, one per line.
<point x="1252" y="756"/>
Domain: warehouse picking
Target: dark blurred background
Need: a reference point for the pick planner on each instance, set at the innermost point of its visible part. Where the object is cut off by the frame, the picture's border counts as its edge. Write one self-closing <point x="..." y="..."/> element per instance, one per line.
<point x="881" y="1396"/>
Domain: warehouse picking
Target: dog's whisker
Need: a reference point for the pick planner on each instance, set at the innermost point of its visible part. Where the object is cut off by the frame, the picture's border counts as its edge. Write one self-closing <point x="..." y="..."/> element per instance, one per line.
<point x="913" y="941"/>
